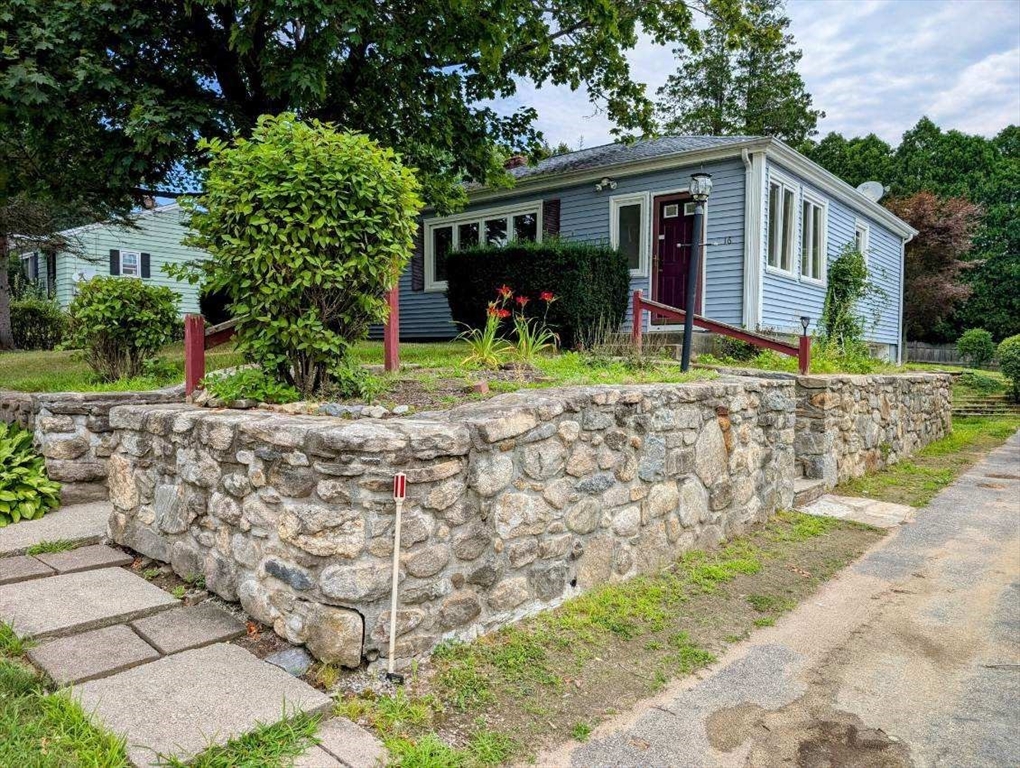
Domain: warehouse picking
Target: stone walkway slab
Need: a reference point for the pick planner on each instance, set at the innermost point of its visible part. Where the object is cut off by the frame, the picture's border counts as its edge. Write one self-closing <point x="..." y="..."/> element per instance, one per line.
<point x="317" y="757"/>
<point x="185" y="628"/>
<point x="880" y="514"/>
<point x="351" y="744"/>
<point x="86" y="558"/>
<point x="91" y="655"/>
<point x="22" y="568"/>
<point x="181" y="704"/>
<point x="76" y="602"/>
<point x="82" y="523"/>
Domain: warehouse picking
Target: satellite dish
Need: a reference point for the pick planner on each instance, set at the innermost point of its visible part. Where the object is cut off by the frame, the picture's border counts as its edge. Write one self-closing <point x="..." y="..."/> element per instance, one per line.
<point x="873" y="190"/>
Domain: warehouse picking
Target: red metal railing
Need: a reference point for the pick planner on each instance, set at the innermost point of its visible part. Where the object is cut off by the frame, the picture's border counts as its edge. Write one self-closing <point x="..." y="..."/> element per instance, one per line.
<point x="802" y="351"/>
<point x="198" y="338"/>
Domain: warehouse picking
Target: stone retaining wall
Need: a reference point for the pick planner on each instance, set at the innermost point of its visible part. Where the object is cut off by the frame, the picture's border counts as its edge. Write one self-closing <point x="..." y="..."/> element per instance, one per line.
<point x="514" y="503"/>
<point x="72" y="431"/>
<point x="849" y="425"/>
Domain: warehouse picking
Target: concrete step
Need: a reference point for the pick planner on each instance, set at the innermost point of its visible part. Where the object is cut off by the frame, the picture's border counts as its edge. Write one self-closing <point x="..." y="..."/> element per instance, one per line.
<point x="806" y="490"/>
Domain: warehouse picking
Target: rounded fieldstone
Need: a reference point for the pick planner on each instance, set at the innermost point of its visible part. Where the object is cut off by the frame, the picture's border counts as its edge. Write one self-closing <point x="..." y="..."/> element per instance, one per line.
<point x="356" y="583"/>
<point x="627" y="521"/>
<point x="69" y="448"/>
<point x="471" y="541"/>
<point x="584" y="516"/>
<point x="508" y="595"/>
<point x="292" y="575"/>
<point x="491" y="473"/>
<point x="427" y="562"/>
<point x="334" y="635"/>
<point x="459" y="609"/>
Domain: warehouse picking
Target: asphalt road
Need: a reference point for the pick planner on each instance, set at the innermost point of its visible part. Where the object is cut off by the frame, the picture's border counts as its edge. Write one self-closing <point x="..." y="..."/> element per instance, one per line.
<point x="911" y="657"/>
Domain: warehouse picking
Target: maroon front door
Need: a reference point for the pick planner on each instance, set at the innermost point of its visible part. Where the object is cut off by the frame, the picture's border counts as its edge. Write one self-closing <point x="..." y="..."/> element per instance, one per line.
<point x="673" y="234"/>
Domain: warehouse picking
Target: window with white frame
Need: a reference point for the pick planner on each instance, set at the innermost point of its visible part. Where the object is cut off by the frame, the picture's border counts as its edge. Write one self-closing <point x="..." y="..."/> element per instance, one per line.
<point x="495" y="226"/>
<point x="629" y="230"/>
<point x="782" y="224"/>
<point x="813" y="239"/>
<point x="862" y="238"/>
<point x="129" y="263"/>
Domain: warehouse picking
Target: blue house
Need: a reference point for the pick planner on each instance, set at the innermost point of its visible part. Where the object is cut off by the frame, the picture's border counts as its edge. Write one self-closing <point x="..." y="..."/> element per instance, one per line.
<point x="773" y="223"/>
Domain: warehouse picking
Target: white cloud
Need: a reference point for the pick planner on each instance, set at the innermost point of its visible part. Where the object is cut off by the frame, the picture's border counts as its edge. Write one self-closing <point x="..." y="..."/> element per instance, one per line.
<point x="872" y="66"/>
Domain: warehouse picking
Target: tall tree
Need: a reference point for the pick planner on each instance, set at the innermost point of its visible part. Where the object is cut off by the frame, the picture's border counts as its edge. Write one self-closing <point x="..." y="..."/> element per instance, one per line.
<point x="414" y="76"/>
<point x="744" y="83"/>
<point x="932" y="287"/>
<point x="855" y="160"/>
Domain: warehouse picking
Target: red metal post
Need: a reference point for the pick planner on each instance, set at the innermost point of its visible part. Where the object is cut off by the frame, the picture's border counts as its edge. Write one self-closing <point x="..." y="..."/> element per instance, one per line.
<point x="391" y="331"/>
<point x="636" y="323"/>
<point x="194" y="352"/>
<point x="804" y="355"/>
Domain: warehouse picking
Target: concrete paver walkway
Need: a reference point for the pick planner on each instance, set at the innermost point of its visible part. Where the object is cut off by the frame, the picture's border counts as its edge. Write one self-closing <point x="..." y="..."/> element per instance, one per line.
<point x="909" y="658"/>
<point x="80" y="523"/>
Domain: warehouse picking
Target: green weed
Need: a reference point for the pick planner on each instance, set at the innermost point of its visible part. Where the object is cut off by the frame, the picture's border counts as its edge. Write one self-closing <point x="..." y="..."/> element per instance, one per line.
<point x="49" y="547"/>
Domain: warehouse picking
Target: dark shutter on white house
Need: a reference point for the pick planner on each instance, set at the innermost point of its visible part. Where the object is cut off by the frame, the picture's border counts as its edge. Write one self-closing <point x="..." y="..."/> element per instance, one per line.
<point x="114" y="262"/>
<point x="145" y="265"/>
<point x="33" y="268"/>
<point x="551" y="218"/>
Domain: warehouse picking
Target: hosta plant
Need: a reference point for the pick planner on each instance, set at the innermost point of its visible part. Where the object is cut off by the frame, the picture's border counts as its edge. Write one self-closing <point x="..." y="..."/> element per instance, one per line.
<point x="26" y="493"/>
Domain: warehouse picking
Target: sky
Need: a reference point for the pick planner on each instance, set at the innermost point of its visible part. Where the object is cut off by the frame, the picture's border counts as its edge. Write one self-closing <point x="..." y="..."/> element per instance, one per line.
<point x="873" y="66"/>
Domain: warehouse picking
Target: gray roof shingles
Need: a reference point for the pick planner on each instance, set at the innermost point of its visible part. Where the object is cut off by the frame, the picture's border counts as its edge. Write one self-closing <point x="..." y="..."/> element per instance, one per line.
<point x="617" y="154"/>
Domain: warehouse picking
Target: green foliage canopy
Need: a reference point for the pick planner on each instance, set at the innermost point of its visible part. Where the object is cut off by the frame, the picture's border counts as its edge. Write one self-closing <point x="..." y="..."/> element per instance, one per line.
<point x="1009" y="360"/>
<point x="119" y="323"/>
<point x="976" y="345"/>
<point x="307" y="228"/>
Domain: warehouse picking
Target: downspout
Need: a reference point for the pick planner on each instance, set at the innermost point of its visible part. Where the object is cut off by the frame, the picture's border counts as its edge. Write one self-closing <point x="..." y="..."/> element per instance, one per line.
<point x="903" y="285"/>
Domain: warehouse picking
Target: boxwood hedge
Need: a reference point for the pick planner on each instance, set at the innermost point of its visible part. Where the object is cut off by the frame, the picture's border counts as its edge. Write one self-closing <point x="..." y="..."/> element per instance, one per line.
<point x="591" y="284"/>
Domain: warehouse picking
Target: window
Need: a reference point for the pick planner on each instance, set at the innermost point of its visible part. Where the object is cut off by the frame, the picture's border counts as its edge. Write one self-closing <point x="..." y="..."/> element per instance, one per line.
<point x="493" y="227"/>
<point x="782" y="224"/>
<point x="813" y="240"/>
<point x="129" y="263"/>
<point x="862" y="238"/>
<point x="629" y="229"/>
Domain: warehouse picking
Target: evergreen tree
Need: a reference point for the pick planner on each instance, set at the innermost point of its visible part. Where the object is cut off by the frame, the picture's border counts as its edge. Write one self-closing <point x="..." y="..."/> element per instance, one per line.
<point x="741" y="81"/>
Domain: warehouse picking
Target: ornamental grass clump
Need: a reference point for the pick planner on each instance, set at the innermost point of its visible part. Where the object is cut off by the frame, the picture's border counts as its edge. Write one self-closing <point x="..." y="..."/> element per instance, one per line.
<point x="26" y="493"/>
<point x="307" y="228"/>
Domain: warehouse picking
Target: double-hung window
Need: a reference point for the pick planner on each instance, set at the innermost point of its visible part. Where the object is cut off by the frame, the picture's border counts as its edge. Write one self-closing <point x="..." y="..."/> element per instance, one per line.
<point x="495" y="226"/>
<point x="813" y="239"/>
<point x="129" y="263"/>
<point x="629" y="230"/>
<point x="782" y="224"/>
<point x="862" y="238"/>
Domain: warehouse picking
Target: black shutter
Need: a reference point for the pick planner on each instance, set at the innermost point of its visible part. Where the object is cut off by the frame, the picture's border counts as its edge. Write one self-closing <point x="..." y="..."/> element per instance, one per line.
<point x="145" y="265"/>
<point x="114" y="262"/>
<point x="34" y="269"/>
<point x="418" y="260"/>
<point x="550" y="218"/>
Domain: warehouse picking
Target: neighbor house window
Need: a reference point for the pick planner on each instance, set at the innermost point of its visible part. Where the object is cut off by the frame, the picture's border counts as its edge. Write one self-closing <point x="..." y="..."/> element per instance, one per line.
<point x="862" y="238"/>
<point x="129" y="263"/>
<point x="629" y="229"/>
<point x="495" y="226"/>
<point x="782" y="224"/>
<point x="813" y="239"/>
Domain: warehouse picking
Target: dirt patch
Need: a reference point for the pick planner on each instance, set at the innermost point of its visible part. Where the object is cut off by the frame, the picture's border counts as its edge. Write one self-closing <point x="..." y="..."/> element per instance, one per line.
<point x="434" y="389"/>
<point x="547" y="680"/>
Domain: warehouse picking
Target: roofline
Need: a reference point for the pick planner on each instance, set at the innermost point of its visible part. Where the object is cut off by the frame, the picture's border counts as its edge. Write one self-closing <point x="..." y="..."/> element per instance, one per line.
<point x="774" y="148"/>
<point x="96" y="224"/>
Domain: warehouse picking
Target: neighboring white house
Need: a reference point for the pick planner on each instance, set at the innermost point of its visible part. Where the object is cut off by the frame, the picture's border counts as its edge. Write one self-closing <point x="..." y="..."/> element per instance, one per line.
<point x="133" y="253"/>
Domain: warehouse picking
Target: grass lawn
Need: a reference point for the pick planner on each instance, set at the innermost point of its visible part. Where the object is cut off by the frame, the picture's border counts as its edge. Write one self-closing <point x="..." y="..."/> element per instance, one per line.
<point x="916" y="481"/>
<point x="558" y="674"/>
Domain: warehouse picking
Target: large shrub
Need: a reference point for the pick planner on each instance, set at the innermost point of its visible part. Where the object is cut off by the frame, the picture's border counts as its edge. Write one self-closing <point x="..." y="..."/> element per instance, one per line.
<point x="1009" y="360"/>
<point x="842" y="323"/>
<point x="976" y="345"/>
<point x="37" y="323"/>
<point x="307" y="228"/>
<point x="591" y="284"/>
<point x="119" y="323"/>
<point x="25" y="491"/>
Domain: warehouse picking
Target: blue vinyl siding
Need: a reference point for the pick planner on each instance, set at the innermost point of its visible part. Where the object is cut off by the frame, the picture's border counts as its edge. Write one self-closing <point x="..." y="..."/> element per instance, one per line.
<point x="785" y="298"/>
<point x="584" y="216"/>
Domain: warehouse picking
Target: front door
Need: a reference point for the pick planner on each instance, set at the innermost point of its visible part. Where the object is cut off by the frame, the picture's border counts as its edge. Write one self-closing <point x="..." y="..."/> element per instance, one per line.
<point x="673" y="234"/>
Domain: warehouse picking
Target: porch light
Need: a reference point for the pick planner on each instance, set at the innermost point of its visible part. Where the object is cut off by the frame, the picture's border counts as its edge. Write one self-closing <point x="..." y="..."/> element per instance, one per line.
<point x="701" y="186"/>
<point x="805" y="321"/>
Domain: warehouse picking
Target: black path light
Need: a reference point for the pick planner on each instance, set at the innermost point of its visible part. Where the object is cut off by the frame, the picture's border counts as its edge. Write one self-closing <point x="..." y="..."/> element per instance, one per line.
<point x="700" y="188"/>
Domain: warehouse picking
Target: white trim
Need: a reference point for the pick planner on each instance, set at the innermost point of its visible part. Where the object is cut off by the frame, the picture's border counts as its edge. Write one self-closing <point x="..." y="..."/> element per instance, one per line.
<point x="785" y="184"/>
<point x="472" y="217"/>
<point x="754" y="178"/>
<point x="864" y="228"/>
<point x="645" y="245"/>
<point x="773" y="148"/>
<point x="138" y="263"/>
<point x="811" y="198"/>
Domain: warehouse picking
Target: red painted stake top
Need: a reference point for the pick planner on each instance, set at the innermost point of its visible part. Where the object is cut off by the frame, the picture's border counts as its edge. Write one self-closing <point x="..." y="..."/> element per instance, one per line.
<point x="399" y="486"/>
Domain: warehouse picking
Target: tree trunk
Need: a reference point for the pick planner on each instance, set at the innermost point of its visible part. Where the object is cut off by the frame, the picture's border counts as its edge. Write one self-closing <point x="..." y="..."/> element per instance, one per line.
<point x="6" y="334"/>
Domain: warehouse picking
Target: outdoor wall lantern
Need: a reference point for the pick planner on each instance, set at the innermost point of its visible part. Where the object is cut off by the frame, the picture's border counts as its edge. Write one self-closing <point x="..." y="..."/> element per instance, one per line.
<point x="805" y="321"/>
<point x="701" y="186"/>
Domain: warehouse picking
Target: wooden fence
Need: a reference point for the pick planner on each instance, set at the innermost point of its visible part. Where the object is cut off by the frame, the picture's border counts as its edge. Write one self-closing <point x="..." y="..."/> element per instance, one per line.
<point x="943" y="354"/>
